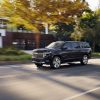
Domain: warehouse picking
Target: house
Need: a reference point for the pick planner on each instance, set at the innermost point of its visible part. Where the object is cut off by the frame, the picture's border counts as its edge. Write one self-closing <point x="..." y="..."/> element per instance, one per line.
<point x="21" y="38"/>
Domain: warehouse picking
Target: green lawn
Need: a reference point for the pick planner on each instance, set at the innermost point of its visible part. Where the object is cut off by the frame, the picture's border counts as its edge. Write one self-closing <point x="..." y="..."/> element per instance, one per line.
<point x="96" y="54"/>
<point x="12" y="54"/>
<point x="24" y="57"/>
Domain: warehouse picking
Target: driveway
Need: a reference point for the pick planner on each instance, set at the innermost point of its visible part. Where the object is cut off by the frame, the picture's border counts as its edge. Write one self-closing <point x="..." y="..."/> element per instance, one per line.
<point x="70" y="82"/>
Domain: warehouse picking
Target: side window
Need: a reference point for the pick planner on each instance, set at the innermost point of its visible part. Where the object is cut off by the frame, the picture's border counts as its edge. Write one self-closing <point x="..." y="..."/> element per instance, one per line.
<point x="82" y="45"/>
<point x="68" y="46"/>
<point x="85" y="45"/>
<point x="76" y="45"/>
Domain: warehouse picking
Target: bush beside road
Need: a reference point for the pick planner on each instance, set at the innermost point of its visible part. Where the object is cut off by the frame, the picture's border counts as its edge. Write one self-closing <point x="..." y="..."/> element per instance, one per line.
<point x="96" y="55"/>
<point x="24" y="57"/>
<point x="12" y="54"/>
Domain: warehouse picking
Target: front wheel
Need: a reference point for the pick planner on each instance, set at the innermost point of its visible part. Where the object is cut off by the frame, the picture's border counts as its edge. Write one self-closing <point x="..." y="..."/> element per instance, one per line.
<point x="56" y="62"/>
<point x="84" y="60"/>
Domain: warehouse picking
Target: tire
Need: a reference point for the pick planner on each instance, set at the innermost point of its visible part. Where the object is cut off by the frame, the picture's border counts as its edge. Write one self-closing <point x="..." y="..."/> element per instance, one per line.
<point x="39" y="65"/>
<point x="56" y="62"/>
<point x="84" y="60"/>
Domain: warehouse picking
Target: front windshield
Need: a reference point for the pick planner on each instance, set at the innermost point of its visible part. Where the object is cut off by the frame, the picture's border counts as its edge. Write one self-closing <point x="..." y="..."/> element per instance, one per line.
<point x="55" y="44"/>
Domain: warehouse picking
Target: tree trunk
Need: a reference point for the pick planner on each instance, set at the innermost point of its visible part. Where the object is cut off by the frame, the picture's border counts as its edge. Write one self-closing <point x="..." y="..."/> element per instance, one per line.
<point x="94" y="40"/>
<point x="94" y="46"/>
<point x="37" y="40"/>
<point x="26" y="45"/>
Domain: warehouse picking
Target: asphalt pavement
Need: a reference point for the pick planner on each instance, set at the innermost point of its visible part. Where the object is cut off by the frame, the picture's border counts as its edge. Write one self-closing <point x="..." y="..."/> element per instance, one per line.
<point x="70" y="82"/>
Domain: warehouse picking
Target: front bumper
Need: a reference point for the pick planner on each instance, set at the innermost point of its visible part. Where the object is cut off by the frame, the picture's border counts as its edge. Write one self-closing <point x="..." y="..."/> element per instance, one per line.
<point x="40" y="61"/>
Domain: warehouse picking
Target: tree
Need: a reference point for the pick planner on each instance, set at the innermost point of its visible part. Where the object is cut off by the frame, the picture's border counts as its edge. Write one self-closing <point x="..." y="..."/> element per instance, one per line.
<point x="77" y="34"/>
<point x="63" y="30"/>
<point x="89" y="22"/>
<point x="32" y="13"/>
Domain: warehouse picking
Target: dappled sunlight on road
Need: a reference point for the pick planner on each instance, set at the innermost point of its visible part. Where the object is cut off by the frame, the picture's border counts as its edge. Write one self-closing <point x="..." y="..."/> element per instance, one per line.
<point x="31" y="83"/>
<point x="95" y="61"/>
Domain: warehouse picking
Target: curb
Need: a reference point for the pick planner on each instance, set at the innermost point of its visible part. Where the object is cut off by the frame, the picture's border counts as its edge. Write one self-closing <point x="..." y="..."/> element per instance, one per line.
<point x="15" y="62"/>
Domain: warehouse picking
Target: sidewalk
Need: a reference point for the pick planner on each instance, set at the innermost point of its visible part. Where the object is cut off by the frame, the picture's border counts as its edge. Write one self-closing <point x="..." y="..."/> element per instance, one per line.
<point x="28" y="51"/>
<point x="15" y="62"/>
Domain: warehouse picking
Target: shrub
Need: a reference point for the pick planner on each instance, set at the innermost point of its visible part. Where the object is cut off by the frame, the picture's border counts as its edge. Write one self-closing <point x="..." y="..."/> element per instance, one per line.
<point x="2" y="50"/>
<point x="15" y="58"/>
<point x="10" y="51"/>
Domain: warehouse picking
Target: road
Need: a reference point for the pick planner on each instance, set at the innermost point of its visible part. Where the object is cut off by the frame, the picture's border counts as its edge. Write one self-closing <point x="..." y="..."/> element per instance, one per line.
<point x="70" y="82"/>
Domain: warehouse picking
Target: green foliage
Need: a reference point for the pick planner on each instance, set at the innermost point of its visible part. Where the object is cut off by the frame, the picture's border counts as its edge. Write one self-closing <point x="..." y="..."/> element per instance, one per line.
<point x="24" y="57"/>
<point x="63" y="30"/>
<point x="12" y="54"/>
<point x="88" y="20"/>
<point x="62" y="27"/>
<point x="96" y="54"/>
<point x="10" y="51"/>
<point x="32" y="13"/>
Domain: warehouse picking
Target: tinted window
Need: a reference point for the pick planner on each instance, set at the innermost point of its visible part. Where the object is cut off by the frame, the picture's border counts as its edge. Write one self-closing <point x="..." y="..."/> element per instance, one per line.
<point x="55" y="44"/>
<point x="76" y="45"/>
<point x="85" y="45"/>
<point x="68" y="45"/>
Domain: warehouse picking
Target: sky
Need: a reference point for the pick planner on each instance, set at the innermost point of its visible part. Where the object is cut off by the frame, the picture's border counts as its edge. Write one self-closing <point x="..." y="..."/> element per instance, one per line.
<point x="93" y="4"/>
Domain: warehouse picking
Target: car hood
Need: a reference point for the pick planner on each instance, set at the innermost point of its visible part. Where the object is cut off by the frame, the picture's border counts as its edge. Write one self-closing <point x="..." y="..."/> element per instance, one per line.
<point x="42" y="50"/>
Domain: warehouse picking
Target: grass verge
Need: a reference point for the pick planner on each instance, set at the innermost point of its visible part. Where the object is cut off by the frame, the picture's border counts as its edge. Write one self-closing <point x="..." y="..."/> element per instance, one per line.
<point x="24" y="57"/>
<point x="13" y="54"/>
<point x="96" y="54"/>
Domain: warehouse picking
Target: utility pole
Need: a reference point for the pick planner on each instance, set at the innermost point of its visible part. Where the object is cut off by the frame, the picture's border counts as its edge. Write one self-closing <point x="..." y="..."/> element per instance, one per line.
<point x="46" y="28"/>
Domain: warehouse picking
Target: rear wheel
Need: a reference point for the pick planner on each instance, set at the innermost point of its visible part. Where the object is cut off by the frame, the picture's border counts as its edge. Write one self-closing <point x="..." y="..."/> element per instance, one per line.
<point x="84" y="60"/>
<point x="56" y="62"/>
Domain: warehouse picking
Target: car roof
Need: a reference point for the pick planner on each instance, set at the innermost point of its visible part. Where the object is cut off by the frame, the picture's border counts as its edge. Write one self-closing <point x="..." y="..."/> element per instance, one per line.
<point x="71" y="41"/>
<point x="76" y="41"/>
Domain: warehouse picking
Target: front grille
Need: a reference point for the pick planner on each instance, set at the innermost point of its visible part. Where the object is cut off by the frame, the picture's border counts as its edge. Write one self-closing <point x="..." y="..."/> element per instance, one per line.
<point x="37" y="55"/>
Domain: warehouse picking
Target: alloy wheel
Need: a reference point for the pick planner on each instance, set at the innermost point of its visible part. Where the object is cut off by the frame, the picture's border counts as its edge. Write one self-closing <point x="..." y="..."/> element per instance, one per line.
<point x="56" y="62"/>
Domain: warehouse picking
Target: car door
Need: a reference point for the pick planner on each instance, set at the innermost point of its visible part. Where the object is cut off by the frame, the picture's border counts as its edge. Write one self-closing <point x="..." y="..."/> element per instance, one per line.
<point x="85" y="48"/>
<point x="76" y="50"/>
<point x="67" y="51"/>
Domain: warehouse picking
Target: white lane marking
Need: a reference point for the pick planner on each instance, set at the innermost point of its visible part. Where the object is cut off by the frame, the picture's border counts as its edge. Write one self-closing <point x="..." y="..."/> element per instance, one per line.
<point x="81" y="94"/>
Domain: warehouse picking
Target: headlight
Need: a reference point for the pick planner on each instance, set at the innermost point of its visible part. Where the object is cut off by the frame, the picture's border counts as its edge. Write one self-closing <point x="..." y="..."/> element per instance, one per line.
<point x="46" y="54"/>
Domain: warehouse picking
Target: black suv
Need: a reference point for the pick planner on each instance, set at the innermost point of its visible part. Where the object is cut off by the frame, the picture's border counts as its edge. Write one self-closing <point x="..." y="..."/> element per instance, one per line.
<point x="61" y="52"/>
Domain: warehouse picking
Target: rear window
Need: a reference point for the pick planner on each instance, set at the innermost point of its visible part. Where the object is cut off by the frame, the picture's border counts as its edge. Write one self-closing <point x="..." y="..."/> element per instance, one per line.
<point x="85" y="45"/>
